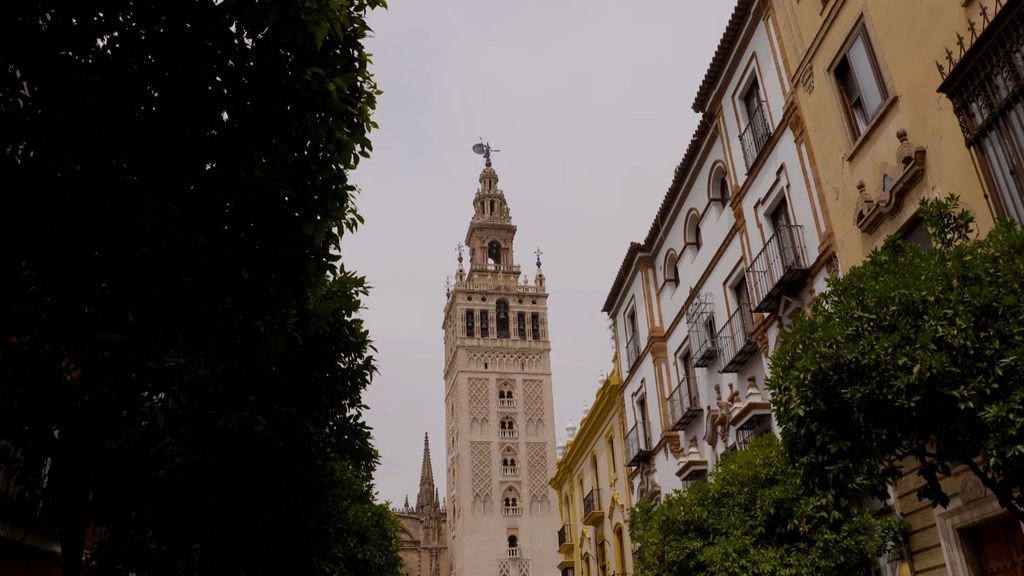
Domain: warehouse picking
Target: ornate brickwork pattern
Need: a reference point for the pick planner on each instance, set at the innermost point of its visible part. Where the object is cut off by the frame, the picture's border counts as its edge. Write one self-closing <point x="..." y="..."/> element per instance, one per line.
<point x="505" y="361"/>
<point x="533" y="399"/>
<point x="479" y="404"/>
<point x="533" y="405"/>
<point x="537" y="459"/>
<point x="480" y="459"/>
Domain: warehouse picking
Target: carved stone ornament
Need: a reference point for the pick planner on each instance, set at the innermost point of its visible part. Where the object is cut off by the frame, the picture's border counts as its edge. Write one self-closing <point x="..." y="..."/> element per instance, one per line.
<point x="894" y="183"/>
<point x="807" y="79"/>
<point x="971" y="489"/>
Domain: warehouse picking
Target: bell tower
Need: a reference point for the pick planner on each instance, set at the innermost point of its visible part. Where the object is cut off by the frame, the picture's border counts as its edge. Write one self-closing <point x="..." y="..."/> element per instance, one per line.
<point x="502" y="514"/>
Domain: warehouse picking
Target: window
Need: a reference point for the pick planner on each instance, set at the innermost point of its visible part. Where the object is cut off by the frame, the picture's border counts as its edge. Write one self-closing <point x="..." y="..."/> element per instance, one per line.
<point x="755" y="134"/>
<point x="632" y="345"/>
<point x="986" y="99"/>
<point x="719" y="188"/>
<point x="484" y="323"/>
<point x="860" y="83"/>
<point x="535" y="326"/>
<point x="917" y="235"/>
<point x="521" y="325"/>
<point x="469" y="323"/>
<point x="672" y="267"/>
<point x="501" y="315"/>
<point x="693" y="230"/>
<point x="688" y="377"/>
<point x="494" y="252"/>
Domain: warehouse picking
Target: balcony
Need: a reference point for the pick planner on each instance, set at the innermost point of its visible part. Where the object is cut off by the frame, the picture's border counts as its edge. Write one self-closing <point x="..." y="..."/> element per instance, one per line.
<point x="780" y="268"/>
<point x="565" y="545"/>
<point x="512" y="511"/>
<point x="737" y="339"/>
<point x="510" y="470"/>
<point x="506" y="402"/>
<point x="683" y="405"/>
<point x="492" y="267"/>
<point x="755" y="135"/>
<point x="508" y="434"/>
<point x="632" y="352"/>
<point x="512" y="553"/>
<point x="693" y="467"/>
<point x="756" y="426"/>
<point x="592" y="513"/>
<point x="638" y="445"/>
<point x="701" y="320"/>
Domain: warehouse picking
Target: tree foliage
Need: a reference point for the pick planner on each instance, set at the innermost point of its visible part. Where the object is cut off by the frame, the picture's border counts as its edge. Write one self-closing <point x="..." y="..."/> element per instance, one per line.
<point x="913" y="354"/>
<point x="181" y="361"/>
<point x="753" y="519"/>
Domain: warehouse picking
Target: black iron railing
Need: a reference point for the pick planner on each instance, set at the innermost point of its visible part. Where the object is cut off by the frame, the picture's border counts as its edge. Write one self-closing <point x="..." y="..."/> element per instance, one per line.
<point x="591" y="502"/>
<point x="755" y="135"/>
<point x="638" y="445"/>
<point x="564" y="535"/>
<point x="683" y="405"/>
<point x="737" y="339"/>
<point x="779" y="267"/>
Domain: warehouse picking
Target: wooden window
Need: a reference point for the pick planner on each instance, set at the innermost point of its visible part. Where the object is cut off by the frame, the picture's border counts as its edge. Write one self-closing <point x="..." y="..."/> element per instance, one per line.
<point x="860" y="83"/>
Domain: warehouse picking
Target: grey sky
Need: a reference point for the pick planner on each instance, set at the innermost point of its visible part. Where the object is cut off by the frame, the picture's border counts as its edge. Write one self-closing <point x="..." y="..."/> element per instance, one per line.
<point x="589" y="103"/>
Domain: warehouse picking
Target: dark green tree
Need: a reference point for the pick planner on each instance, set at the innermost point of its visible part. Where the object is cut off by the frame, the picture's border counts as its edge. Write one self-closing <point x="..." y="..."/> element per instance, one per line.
<point x="181" y="361"/>
<point x="754" y="519"/>
<point x="912" y="355"/>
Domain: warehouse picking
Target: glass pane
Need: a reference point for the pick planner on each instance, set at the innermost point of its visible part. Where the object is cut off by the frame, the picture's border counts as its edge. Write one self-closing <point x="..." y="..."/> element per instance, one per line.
<point x="860" y="61"/>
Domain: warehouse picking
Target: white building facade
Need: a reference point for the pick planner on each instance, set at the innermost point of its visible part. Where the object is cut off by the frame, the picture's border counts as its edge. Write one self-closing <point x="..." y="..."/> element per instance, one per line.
<point x="739" y="245"/>
<point x="502" y="514"/>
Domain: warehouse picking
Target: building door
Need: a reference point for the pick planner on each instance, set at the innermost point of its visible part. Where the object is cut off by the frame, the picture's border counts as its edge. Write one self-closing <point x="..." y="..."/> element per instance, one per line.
<point x="997" y="548"/>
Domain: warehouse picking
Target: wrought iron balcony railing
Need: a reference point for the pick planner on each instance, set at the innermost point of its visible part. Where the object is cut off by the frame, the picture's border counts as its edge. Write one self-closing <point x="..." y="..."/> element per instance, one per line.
<point x="592" y="513"/>
<point x="564" y="538"/>
<point x="737" y="339"/>
<point x="755" y="135"/>
<point x="632" y="352"/>
<point x="778" y="269"/>
<point x="638" y="445"/>
<point x="683" y="405"/>
<point x="701" y="320"/>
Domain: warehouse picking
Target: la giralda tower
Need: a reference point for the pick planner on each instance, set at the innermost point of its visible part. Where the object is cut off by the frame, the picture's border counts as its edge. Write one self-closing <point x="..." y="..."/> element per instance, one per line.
<point x="502" y="515"/>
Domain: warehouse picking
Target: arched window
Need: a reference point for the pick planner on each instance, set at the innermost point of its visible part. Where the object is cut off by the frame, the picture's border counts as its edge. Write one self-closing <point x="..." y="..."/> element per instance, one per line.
<point x="719" y="189"/>
<point x="672" y="267"/>
<point x="501" y="315"/>
<point x="494" y="252"/>
<point x="693" y="237"/>
<point x="501" y="394"/>
<point x="513" y="542"/>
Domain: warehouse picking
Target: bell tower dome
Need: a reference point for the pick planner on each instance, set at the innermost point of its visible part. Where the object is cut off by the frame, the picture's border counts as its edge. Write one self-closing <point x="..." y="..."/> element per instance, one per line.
<point x="491" y="232"/>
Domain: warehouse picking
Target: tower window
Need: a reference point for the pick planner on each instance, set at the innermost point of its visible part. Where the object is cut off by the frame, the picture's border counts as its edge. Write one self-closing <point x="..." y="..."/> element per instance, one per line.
<point x="501" y="314"/>
<point x="535" y="326"/>
<point x="469" y="323"/>
<point x="494" y="252"/>
<point x="485" y="324"/>
<point x="521" y="325"/>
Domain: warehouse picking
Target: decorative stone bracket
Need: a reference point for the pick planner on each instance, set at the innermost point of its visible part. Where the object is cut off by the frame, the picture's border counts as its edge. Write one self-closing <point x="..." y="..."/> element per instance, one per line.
<point x="896" y="182"/>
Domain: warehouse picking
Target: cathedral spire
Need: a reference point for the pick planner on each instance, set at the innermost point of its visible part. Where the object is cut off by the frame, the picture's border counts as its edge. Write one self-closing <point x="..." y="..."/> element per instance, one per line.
<point x="427" y="493"/>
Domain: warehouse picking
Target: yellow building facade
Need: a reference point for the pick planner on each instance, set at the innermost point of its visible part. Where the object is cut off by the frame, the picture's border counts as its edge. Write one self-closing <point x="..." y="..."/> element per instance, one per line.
<point x="902" y="100"/>
<point x="593" y="491"/>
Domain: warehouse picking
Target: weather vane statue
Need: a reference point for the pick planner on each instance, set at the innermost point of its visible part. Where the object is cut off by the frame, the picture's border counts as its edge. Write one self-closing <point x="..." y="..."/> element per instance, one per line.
<point x="484" y="149"/>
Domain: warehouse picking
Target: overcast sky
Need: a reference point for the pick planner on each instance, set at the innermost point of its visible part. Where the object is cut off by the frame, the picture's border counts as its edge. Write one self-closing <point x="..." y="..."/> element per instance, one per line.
<point x="589" y="103"/>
